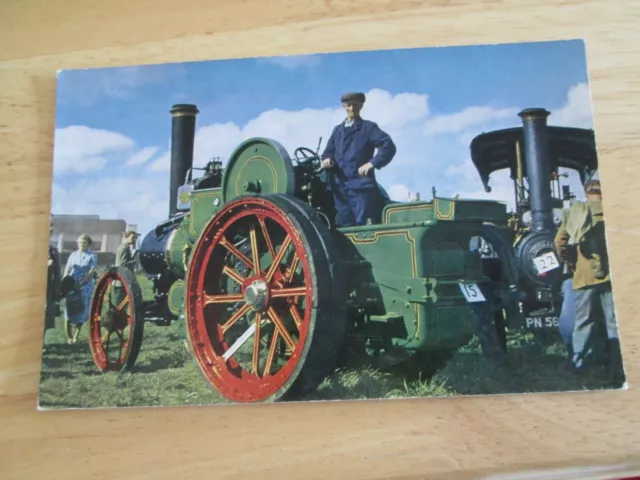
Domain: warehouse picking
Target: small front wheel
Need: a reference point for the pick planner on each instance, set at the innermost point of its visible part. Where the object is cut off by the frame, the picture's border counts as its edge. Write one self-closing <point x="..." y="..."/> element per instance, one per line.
<point x="116" y="320"/>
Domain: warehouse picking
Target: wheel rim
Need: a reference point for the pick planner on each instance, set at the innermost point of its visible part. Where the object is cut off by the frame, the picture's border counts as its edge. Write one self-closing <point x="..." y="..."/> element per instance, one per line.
<point x="111" y="319"/>
<point x="249" y="303"/>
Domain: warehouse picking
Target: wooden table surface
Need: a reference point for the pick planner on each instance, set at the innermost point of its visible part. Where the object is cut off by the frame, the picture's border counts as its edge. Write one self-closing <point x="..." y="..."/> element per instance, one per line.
<point x="426" y="438"/>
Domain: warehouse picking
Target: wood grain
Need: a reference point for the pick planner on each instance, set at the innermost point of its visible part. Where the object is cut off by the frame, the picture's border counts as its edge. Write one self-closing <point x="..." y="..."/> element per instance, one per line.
<point x="427" y="438"/>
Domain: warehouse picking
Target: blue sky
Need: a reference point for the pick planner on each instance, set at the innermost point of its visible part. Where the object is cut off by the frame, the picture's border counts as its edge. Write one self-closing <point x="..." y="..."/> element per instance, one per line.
<point x="113" y="125"/>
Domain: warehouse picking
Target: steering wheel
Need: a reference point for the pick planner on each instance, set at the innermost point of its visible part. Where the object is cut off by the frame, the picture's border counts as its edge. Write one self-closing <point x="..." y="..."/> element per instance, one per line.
<point x="304" y="155"/>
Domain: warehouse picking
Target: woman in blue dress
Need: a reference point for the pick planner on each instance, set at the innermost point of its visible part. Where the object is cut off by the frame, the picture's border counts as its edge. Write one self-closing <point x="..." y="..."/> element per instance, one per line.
<point x="81" y="266"/>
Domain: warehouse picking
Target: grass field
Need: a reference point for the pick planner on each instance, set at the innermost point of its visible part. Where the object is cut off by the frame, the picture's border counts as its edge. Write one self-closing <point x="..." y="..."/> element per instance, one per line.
<point x="165" y="374"/>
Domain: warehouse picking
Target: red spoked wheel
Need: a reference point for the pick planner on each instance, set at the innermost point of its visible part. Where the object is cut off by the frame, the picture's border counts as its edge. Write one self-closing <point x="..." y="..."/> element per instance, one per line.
<point x="115" y="320"/>
<point x="264" y="302"/>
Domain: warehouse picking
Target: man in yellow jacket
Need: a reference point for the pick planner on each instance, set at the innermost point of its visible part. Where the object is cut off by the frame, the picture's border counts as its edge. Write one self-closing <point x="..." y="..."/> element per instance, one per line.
<point x="581" y="243"/>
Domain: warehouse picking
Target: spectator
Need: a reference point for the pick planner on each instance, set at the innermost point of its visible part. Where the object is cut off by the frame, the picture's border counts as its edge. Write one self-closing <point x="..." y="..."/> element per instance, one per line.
<point x="581" y="243"/>
<point x="81" y="268"/>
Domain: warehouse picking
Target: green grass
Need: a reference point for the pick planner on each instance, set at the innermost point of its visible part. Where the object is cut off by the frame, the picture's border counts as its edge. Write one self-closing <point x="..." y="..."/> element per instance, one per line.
<point x="166" y="375"/>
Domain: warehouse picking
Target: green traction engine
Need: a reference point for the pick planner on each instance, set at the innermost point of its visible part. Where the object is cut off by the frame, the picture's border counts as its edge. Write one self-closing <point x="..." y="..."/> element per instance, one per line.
<point x="522" y="256"/>
<point x="271" y="294"/>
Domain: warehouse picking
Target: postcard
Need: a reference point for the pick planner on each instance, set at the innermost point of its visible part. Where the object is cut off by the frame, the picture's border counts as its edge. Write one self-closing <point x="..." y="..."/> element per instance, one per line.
<point x="383" y="224"/>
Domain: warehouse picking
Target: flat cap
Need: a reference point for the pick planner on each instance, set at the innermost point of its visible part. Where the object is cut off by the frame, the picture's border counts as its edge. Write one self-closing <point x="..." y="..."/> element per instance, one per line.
<point x="592" y="186"/>
<point x="353" y="97"/>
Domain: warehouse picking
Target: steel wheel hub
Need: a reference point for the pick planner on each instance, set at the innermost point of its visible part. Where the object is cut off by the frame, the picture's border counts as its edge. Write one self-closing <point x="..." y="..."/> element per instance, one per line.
<point x="256" y="295"/>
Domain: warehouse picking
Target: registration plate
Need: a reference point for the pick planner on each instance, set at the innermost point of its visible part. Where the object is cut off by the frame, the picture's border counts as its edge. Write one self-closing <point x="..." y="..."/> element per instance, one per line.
<point x="547" y="321"/>
<point x="471" y="292"/>
<point x="546" y="262"/>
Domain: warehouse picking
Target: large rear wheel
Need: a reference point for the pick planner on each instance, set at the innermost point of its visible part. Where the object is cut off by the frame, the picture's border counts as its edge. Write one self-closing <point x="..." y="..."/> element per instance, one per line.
<point x="264" y="300"/>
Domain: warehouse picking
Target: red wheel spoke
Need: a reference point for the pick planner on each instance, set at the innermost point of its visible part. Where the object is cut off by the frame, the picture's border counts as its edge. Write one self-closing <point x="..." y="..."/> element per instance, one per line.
<point x="233" y="274"/>
<point x="256" y="345"/>
<point x="241" y="256"/>
<point x="292" y="269"/>
<point x="254" y="248"/>
<point x="235" y="317"/>
<point x="208" y="299"/>
<point x="267" y="238"/>
<point x="289" y="292"/>
<point x="122" y="304"/>
<point x="278" y="259"/>
<point x="277" y="321"/>
<point x="272" y="352"/>
<point x="296" y="316"/>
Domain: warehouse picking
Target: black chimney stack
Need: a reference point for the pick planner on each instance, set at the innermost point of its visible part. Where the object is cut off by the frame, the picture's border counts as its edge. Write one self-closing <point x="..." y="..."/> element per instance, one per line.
<point x="536" y="152"/>
<point x="182" y="137"/>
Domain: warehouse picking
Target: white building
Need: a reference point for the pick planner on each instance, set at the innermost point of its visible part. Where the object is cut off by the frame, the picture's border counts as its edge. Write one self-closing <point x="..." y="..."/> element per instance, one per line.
<point x="106" y="234"/>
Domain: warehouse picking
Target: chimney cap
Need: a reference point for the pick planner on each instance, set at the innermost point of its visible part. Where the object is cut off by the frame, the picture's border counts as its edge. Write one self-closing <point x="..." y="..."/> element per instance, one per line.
<point x="529" y="113"/>
<point x="184" y="109"/>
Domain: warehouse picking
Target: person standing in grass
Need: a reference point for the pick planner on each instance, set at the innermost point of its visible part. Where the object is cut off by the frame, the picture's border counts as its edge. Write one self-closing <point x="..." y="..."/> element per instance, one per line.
<point x="125" y="255"/>
<point x="581" y="243"/>
<point x="52" y="309"/>
<point x="81" y="268"/>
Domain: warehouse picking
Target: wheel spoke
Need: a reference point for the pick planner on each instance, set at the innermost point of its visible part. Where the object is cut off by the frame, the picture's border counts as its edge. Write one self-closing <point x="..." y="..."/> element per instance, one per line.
<point x="122" y="303"/>
<point x="292" y="270"/>
<point x="272" y="352"/>
<point x="241" y="256"/>
<point x="254" y="248"/>
<point x="289" y="292"/>
<point x="233" y="274"/>
<point x="235" y="317"/>
<point x="296" y="315"/>
<point x="267" y="238"/>
<point x="256" y="345"/>
<point x="278" y="259"/>
<point x="277" y="321"/>
<point x="208" y="299"/>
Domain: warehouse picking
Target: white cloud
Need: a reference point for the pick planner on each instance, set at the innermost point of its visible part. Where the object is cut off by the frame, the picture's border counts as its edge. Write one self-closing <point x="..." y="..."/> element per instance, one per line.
<point x="82" y="149"/>
<point x="577" y="111"/>
<point x="161" y="164"/>
<point x="136" y="200"/>
<point x="395" y="114"/>
<point x="398" y="192"/>
<point x="469" y="117"/>
<point x="141" y="156"/>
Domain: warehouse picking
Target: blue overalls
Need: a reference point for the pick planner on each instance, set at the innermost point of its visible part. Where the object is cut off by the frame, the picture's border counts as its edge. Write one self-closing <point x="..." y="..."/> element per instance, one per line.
<point x="356" y="198"/>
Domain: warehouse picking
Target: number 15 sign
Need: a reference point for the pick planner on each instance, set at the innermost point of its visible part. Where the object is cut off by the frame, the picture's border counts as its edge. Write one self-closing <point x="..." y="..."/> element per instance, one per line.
<point x="471" y="292"/>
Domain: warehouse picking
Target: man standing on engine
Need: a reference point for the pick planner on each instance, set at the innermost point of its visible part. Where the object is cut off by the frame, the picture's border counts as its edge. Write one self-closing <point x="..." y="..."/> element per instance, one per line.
<point x="350" y="156"/>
